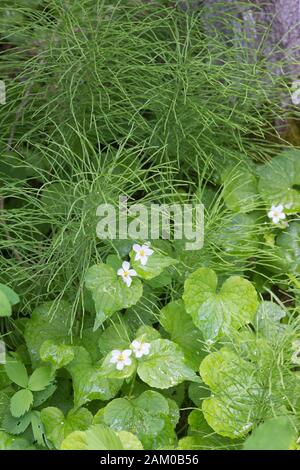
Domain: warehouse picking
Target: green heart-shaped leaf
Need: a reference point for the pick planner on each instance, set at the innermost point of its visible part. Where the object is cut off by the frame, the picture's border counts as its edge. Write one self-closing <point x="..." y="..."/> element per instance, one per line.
<point x="146" y="416"/>
<point x="280" y="179"/>
<point x="215" y="313"/>
<point x="165" y="365"/>
<point x="49" y="321"/>
<point x="88" y="381"/>
<point x="58" y="427"/>
<point x="109" y="292"/>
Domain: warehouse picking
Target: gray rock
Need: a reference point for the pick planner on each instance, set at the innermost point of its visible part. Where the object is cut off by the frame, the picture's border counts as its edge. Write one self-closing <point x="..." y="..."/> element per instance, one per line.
<point x="273" y="26"/>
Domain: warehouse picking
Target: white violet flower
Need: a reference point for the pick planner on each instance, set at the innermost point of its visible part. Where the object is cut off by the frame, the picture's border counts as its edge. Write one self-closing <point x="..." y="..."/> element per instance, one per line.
<point x="276" y="213"/>
<point x="296" y="92"/>
<point x="121" y="358"/>
<point x="142" y="253"/>
<point x="140" y="349"/>
<point x="126" y="273"/>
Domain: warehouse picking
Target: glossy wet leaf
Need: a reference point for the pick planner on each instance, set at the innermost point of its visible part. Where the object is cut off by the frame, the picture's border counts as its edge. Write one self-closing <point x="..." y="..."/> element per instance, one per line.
<point x="146" y="310"/>
<point x="88" y="382"/>
<point x="129" y="441"/>
<point x="287" y="250"/>
<point x="59" y="355"/>
<point x="202" y="436"/>
<point x="115" y="336"/>
<point x="58" y="427"/>
<point x="232" y="381"/>
<point x="147" y="417"/>
<point x="274" y="434"/>
<point x="109" y="292"/>
<point x="216" y="312"/>
<point x="268" y="318"/>
<point x="75" y="441"/>
<point x="146" y="334"/>
<point x="165" y="365"/>
<point x="155" y="265"/>
<point x="219" y="369"/>
<point x="279" y="180"/>
<point x="227" y="418"/>
<point x="48" y="322"/>
<point x="183" y="331"/>
<point x="9" y="442"/>
<point x="174" y="412"/>
<point x="98" y="437"/>
<point x="89" y="339"/>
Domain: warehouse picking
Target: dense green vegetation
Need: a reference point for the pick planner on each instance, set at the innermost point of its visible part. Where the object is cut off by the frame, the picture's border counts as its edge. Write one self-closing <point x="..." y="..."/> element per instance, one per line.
<point x="194" y="349"/>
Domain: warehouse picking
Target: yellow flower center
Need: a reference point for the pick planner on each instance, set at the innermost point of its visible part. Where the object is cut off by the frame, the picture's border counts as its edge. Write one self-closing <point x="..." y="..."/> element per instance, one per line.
<point x="142" y="253"/>
<point x="121" y="358"/>
<point x="126" y="274"/>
